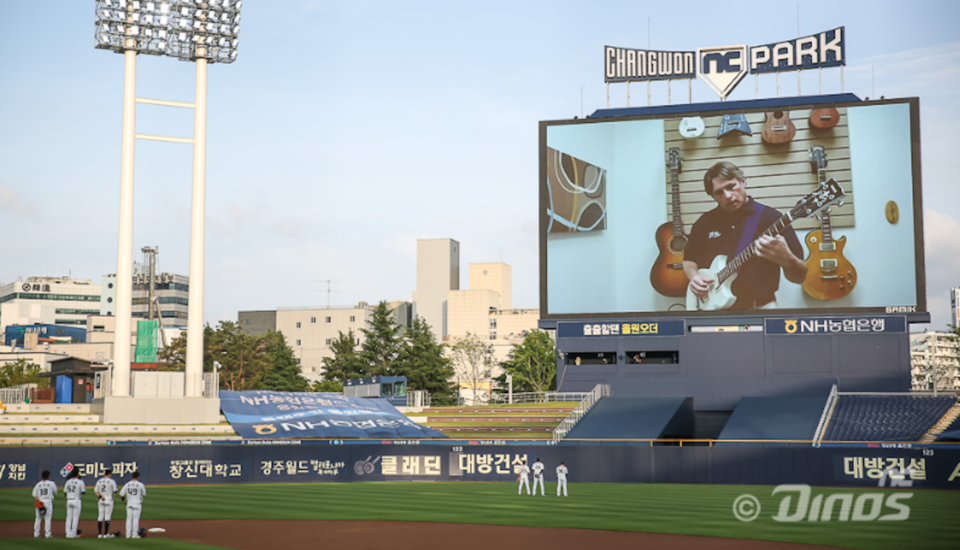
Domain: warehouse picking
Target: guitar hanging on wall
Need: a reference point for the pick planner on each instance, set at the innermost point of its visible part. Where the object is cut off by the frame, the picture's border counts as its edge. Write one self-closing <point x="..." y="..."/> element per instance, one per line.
<point x="667" y="276"/>
<point x="691" y="127"/>
<point x="829" y="274"/>
<point x="778" y="128"/>
<point x="824" y="119"/>
<point x="720" y="293"/>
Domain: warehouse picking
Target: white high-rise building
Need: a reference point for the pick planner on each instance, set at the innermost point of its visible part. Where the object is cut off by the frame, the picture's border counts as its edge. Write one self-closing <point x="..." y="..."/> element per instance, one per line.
<point x="935" y="353"/>
<point x="48" y="300"/>
<point x="955" y="305"/>
<point x="438" y="272"/>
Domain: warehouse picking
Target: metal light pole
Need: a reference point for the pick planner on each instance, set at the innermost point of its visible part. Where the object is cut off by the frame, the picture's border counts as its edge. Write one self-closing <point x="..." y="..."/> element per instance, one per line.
<point x="203" y="31"/>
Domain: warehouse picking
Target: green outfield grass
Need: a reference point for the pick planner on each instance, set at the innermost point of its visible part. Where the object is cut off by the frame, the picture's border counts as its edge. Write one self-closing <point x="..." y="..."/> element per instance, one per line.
<point x="679" y="509"/>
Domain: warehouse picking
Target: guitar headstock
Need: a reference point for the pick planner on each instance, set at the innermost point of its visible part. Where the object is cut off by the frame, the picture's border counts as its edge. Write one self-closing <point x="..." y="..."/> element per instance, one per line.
<point x="827" y="193"/>
<point x="818" y="156"/>
<point x="674" y="155"/>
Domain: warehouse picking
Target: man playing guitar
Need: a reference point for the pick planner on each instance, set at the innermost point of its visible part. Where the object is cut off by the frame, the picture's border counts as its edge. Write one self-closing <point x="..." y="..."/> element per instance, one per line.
<point x="721" y="231"/>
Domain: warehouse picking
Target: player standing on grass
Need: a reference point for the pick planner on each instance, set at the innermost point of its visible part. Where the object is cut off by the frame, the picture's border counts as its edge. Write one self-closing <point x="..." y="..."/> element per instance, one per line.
<point x="134" y="491"/>
<point x="523" y="478"/>
<point x="538" y="477"/>
<point x="73" y="490"/>
<point x="104" y="489"/>
<point x="43" y="494"/>
<point x="562" y="479"/>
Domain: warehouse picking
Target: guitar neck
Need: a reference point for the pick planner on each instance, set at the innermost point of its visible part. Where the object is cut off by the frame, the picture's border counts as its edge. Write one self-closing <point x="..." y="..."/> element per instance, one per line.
<point x="825" y="229"/>
<point x="675" y="198"/>
<point x="748" y="253"/>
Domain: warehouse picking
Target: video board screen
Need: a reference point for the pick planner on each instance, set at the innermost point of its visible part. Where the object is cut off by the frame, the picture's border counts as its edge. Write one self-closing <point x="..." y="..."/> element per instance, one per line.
<point x="794" y="210"/>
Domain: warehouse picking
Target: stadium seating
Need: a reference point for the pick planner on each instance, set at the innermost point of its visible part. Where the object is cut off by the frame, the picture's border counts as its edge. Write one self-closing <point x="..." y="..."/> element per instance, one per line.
<point x="522" y="421"/>
<point x="637" y="418"/>
<point x="885" y="417"/>
<point x="775" y="418"/>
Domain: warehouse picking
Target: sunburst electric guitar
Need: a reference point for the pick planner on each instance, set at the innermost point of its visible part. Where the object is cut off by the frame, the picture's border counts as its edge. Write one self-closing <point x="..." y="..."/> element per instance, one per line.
<point x="720" y="293"/>
<point x="829" y="274"/>
<point x="667" y="276"/>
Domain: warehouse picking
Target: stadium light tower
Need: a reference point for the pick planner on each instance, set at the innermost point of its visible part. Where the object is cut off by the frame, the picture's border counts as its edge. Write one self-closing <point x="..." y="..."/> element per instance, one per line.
<point x="202" y="31"/>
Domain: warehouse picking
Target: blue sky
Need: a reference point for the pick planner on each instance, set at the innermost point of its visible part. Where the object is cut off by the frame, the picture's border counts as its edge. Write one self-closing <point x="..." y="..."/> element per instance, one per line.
<point x="347" y="130"/>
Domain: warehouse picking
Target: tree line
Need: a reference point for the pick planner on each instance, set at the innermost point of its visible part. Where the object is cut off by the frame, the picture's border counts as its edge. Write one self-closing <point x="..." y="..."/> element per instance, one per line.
<point x="267" y="362"/>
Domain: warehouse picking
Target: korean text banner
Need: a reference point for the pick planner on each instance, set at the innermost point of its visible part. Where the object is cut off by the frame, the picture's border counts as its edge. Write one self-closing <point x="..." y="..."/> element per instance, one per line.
<point x="295" y="415"/>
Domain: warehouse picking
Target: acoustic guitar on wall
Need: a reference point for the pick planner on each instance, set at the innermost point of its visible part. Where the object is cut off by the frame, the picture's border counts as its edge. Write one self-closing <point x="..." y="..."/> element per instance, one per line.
<point x="667" y="276"/>
<point x="778" y="128"/>
<point x="829" y="274"/>
<point x="824" y="119"/>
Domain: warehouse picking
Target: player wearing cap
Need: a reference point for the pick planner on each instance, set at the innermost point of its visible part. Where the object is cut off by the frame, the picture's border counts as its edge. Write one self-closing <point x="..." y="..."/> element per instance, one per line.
<point x="43" y="493"/>
<point x="538" y="477"/>
<point x="562" y="479"/>
<point x="105" y="489"/>
<point x="132" y="493"/>
<point x="73" y="490"/>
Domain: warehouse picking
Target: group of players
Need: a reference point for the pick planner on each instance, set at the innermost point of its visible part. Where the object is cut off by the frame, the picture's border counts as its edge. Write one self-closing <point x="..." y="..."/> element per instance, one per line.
<point x="538" y="467"/>
<point x="132" y="494"/>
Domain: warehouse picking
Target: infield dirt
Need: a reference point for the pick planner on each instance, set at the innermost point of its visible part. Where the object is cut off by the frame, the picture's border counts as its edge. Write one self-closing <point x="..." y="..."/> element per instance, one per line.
<point x="398" y="535"/>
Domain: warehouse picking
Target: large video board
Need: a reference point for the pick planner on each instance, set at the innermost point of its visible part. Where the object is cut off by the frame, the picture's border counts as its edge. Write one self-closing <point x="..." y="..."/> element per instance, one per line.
<point x="802" y="209"/>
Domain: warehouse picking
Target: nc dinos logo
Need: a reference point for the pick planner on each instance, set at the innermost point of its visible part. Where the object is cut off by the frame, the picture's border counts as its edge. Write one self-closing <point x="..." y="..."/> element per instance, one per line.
<point x="722" y="67"/>
<point x="790" y="325"/>
<point x="265" y="429"/>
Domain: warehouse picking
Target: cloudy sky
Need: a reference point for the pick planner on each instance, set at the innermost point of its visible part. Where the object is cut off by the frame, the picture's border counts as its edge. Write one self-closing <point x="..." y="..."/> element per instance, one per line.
<point x="346" y="130"/>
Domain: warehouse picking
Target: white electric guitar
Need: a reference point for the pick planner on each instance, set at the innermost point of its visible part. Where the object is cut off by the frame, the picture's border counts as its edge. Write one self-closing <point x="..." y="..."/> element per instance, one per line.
<point x="691" y="127"/>
<point x="720" y="293"/>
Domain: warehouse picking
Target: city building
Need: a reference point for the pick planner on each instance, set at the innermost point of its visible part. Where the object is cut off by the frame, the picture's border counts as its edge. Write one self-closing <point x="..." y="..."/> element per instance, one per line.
<point x="309" y="331"/>
<point x="48" y="300"/>
<point x="935" y="352"/>
<point x="171" y="293"/>
<point x="955" y="306"/>
<point x="438" y="272"/>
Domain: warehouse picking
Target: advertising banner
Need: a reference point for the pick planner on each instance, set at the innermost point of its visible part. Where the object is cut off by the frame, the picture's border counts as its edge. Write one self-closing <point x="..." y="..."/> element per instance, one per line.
<point x="275" y="415"/>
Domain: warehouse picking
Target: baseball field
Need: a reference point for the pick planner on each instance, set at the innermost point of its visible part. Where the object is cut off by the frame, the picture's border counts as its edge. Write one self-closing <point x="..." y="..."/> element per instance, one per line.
<point x="485" y="515"/>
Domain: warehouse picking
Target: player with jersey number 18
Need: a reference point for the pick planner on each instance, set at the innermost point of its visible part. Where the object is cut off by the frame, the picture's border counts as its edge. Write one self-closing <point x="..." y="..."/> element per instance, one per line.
<point x="132" y="493"/>
<point x="73" y="490"/>
<point x="43" y="494"/>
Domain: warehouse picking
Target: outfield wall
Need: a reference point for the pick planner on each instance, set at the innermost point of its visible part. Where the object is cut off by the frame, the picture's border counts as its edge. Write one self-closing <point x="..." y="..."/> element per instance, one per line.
<point x="344" y="461"/>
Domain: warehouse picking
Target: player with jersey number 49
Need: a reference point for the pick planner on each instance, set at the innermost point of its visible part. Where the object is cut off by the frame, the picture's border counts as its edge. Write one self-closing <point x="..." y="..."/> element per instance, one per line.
<point x="132" y="493"/>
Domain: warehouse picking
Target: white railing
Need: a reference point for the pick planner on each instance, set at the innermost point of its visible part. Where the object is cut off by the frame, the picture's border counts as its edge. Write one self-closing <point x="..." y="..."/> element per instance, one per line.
<point x="12" y="396"/>
<point x="418" y="398"/>
<point x="537" y="397"/>
<point x="211" y="384"/>
<point x="581" y="410"/>
<point x="825" y="416"/>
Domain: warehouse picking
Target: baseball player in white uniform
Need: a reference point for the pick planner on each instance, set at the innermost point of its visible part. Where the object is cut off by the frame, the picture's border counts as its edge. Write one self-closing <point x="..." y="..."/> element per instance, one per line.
<point x="132" y="493"/>
<point x="73" y="490"/>
<point x="562" y="479"/>
<point x="43" y="492"/>
<point x="524" y="477"/>
<point x="105" y="489"/>
<point x="538" y="477"/>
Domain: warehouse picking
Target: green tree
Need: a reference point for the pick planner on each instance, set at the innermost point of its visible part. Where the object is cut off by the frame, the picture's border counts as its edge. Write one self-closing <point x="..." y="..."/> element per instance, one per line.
<point x="243" y="359"/>
<point x="382" y="343"/>
<point x="345" y="363"/>
<point x="327" y="386"/>
<point x="473" y="362"/>
<point x="532" y="363"/>
<point x="21" y="372"/>
<point x="421" y="360"/>
<point x="282" y="370"/>
<point x="173" y="356"/>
